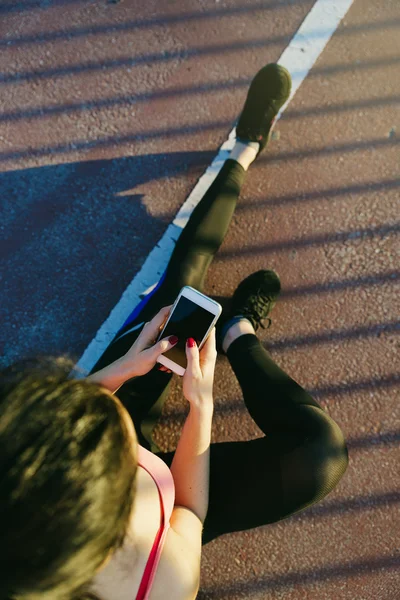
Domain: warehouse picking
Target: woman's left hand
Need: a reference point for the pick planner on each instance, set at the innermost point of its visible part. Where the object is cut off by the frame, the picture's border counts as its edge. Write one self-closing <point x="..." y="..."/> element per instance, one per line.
<point x="142" y="356"/>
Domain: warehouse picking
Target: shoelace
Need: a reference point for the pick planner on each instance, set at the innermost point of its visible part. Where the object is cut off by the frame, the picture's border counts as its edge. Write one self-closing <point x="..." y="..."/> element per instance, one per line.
<point x="264" y="301"/>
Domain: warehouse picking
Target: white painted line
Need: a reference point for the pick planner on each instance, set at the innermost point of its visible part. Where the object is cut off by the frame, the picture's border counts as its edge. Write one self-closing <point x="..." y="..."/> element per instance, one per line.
<point x="310" y="40"/>
<point x="299" y="57"/>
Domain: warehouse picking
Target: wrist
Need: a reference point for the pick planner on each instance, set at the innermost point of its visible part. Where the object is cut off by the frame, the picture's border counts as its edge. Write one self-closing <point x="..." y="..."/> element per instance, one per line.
<point x="114" y="375"/>
<point x="204" y="406"/>
<point x="125" y="368"/>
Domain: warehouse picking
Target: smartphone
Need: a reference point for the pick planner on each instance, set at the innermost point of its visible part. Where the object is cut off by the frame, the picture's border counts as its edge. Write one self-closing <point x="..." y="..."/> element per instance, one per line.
<point x="192" y="315"/>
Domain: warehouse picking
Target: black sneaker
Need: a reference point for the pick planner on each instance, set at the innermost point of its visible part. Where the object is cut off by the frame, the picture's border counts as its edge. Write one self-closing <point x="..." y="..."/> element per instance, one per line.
<point x="268" y="92"/>
<point x="254" y="298"/>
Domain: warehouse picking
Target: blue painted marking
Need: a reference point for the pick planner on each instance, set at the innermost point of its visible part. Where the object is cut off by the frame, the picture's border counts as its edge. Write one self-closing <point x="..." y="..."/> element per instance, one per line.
<point x="142" y="304"/>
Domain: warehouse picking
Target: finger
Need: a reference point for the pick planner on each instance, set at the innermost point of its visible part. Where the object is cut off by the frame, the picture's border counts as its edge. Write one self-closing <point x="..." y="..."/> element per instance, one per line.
<point x="165" y="312"/>
<point x="151" y="329"/>
<point x="163" y="345"/>
<point x="209" y="350"/>
<point x="159" y="318"/>
<point x="192" y="355"/>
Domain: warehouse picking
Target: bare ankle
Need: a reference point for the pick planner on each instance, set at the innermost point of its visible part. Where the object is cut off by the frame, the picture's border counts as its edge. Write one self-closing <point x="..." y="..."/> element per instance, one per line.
<point x="242" y="327"/>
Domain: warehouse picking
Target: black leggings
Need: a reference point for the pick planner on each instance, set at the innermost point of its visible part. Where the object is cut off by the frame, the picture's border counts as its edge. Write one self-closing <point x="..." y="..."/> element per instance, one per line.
<point x="303" y="454"/>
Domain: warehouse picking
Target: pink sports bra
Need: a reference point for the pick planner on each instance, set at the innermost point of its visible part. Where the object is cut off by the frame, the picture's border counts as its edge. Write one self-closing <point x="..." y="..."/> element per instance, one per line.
<point x="162" y="476"/>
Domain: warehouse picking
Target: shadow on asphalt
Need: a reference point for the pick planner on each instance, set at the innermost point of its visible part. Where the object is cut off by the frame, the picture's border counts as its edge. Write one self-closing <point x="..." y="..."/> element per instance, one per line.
<point x="84" y="205"/>
<point x="84" y="144"/>
<point x="307" y="576"/>
<point x="73" y="237"/>
<point x="319" y="393"/>
<point x="140" y="24"/>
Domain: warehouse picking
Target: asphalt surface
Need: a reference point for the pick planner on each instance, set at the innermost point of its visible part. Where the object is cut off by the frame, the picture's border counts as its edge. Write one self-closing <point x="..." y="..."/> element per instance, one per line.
<point x="110" y="113"/>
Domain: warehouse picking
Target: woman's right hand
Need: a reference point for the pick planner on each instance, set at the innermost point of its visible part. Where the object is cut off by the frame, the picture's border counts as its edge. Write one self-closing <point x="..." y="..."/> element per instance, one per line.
<point x="198" y="379"/>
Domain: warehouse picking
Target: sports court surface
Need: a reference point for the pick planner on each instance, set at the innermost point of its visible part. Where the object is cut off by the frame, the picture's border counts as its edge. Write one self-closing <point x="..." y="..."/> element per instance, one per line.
<point x="110" y="115"/>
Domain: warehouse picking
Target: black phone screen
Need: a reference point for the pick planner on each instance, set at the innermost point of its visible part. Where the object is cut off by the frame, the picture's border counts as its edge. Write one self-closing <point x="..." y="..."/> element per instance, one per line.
<point x="187" y="320"/>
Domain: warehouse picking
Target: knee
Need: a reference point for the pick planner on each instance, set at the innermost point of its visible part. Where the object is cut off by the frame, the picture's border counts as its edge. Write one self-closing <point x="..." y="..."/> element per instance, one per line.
<point x="329" y="459"/>
<point x="314" y="468"/>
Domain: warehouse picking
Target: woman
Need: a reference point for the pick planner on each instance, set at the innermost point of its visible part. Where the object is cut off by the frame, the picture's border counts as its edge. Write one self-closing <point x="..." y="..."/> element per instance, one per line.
<point x="90" y="507"/>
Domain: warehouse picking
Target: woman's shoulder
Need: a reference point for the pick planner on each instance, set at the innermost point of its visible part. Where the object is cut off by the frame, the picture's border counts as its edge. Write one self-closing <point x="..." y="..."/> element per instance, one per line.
<point x="177" y="571"/>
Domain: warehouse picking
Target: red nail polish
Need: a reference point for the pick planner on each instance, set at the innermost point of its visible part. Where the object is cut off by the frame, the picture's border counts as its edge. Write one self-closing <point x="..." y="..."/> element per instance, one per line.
<point x="191" y="342"/>
<point x="173" y="339"/>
